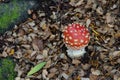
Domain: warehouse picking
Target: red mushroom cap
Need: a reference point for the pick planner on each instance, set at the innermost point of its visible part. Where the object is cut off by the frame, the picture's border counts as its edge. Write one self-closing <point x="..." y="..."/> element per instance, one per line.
<point x="76" y="36"/>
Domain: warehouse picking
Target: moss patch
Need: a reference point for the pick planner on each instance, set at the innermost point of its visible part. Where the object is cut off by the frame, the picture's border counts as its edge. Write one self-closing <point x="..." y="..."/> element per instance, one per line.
<point x="14" y="12"/>
<point x="10" y="14"/>
<point x="7" y="72"/>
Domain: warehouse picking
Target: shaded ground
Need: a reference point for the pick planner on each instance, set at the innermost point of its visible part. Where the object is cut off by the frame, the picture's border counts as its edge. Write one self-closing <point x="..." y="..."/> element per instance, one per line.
<point x="39" y="39"/>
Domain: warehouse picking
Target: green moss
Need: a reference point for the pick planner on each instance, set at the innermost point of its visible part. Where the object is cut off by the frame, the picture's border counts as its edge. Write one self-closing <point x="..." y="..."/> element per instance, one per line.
<point x="7" y="69"/>
<point x="9" y="15"/>
<point x="15" y="12"/>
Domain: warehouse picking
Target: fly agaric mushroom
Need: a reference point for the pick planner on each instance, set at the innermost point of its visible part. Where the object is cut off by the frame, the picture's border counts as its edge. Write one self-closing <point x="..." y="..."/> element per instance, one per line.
<point x="76" y="37"/>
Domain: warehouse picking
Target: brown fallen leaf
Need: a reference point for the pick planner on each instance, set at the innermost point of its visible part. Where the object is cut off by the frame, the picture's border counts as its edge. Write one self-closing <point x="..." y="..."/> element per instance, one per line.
<point x="37" y="44"/>
<point x="114" y="54"/>
<point x="53" y="70"/>
<point x="71" y="69"/>
<point x="48" y="64"/>
<point x="34" y="16"/>
<point x="117" y="35"/>
<point x="46" y="33"/>
<point x="51" y="75"/>
<point x="93" y="77"/>
<point x="21" y="32"/>
<point x="44" y="74"/>
<point x="75" y="61"/>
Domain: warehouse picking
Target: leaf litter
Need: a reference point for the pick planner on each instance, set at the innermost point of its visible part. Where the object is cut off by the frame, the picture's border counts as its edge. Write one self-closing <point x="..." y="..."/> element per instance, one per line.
<point x="39" y="39"/>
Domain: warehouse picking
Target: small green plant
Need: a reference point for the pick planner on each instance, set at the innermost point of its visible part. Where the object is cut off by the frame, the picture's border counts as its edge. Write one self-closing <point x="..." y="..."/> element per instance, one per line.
<point x="7" y="72"/>
<point x="36" y="68"/>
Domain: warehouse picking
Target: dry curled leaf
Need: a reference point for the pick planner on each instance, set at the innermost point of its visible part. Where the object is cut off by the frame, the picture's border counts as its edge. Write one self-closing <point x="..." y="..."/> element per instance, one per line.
<point x="114" y="54"/>
<point x="21" y="32"/>
<point x="93" y="77"/>
<point x="44" y="74"/>
<point x="37" y="44"/>
<point x="51" y="75"/>
<point x="75" y="61"/>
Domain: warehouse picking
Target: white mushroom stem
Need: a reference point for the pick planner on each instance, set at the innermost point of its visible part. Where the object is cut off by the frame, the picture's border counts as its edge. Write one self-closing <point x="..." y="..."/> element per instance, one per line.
<point x="72" y="53"/>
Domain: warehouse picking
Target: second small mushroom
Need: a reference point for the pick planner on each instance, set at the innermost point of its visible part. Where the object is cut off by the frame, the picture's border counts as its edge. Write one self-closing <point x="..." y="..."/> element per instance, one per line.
<point x="76" y="37"/>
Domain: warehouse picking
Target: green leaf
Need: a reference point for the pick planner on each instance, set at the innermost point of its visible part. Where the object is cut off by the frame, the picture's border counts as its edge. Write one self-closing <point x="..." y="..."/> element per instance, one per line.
<point x="36" y="68"/>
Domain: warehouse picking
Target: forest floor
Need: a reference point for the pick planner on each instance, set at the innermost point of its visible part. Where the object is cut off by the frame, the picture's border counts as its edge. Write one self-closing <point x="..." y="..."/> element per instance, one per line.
<point x="39" y="39"/>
